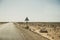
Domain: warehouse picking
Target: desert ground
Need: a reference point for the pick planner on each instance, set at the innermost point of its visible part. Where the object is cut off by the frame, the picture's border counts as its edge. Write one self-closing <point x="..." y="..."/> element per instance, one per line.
<point x="50" y="30"/>
<point x="30" y="31"/>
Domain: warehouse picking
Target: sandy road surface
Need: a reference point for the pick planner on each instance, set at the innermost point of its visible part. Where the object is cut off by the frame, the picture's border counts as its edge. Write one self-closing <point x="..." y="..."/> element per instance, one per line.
<point x="10" y="31"/>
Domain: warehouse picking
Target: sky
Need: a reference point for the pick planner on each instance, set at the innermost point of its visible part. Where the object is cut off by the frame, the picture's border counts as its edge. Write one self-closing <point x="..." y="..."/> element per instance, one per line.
<point x="35" y="10"/>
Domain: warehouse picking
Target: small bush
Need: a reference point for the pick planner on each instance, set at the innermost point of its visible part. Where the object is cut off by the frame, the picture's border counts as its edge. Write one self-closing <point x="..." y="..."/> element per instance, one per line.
<point x="27" y="27"/>
<point x="44" y="30"/>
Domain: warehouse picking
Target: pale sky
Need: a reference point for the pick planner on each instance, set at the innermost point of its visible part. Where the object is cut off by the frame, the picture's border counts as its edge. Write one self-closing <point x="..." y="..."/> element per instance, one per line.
<point x="35" y="10"/>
